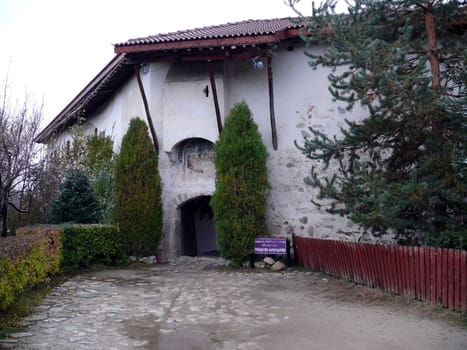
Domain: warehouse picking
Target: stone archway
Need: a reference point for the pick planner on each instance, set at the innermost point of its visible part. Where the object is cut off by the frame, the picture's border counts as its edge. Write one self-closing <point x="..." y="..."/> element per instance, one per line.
<point x="198" y="232"/>
<point x="189" y="182"/>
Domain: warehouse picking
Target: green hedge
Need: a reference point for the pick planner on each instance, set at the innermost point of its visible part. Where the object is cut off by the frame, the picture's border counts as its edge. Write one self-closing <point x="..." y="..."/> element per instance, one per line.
<point x="37" y="253"/>
<point x="36" y="258"/>
<point x="84" y="245"/>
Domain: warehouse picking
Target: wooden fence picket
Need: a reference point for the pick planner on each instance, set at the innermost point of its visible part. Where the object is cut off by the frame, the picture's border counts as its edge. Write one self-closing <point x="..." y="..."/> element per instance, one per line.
<point x="435" y="275"/>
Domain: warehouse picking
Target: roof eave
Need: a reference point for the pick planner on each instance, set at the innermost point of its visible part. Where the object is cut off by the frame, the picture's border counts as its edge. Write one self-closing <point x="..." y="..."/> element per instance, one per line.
<point x="64" y="115"/>
<point x="72" y="110"/>
<point x="212" y="42"/>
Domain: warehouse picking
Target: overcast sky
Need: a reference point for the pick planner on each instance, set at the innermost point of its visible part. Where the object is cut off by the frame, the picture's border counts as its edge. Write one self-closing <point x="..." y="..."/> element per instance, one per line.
<point x="52" y="48"/>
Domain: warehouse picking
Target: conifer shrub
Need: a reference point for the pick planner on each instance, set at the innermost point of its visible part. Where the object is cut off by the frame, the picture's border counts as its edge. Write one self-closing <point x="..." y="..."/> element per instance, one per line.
<point x="138" y="204"/>
<point x="454" y="239"/>
<point x="239" y="202"/>
<point x="76" y="201"/>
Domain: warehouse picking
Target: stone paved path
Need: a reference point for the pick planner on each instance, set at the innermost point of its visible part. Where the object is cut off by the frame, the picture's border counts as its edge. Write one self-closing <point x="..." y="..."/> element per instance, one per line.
<point x="193" y="307"/>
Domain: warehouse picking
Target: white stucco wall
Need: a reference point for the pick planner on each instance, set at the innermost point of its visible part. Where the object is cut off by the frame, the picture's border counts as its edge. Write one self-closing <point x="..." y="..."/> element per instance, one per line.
<point x="302" y="100"/>
<point x="181" y="110"/>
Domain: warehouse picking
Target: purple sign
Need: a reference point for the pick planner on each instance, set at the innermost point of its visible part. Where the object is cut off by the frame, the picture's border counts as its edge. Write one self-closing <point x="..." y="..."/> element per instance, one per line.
<point x="267" y="246"/>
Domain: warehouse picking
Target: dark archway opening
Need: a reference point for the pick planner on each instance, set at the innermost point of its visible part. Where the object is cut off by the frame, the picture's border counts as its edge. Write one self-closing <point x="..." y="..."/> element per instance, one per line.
<point x="199" y="233"/>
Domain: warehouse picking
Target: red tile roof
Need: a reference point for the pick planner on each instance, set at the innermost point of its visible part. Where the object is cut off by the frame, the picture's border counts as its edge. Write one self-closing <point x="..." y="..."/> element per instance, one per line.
<point x="229" y="30"/>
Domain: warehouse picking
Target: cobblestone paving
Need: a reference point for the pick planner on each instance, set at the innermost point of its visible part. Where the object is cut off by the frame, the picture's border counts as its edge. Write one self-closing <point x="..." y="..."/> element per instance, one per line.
<point x="191" y="307"/>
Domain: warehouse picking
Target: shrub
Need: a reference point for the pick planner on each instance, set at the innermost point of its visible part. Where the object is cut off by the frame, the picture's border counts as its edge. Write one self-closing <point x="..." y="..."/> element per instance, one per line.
<point x="9" y="286"/>
<point x="454" y="239"/>
<point x="138" y="205"/>
<point x="27" y="261"/>
<point x="39" y="252"/>
<point x="239" y="202"/>
<point x="84" y="245"/>
<point x="76" y="202"/>
<point x="99" y="165"/>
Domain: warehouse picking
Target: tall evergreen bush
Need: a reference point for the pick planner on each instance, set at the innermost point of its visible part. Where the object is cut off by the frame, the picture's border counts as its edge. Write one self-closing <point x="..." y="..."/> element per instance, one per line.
<point x="239" y="202"/>
<point x="76" y="201"/>
<point x="138" y="205"/>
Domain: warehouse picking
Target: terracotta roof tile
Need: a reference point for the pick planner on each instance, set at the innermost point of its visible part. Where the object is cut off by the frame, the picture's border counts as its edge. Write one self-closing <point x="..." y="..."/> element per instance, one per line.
<point x="229" y="30"/>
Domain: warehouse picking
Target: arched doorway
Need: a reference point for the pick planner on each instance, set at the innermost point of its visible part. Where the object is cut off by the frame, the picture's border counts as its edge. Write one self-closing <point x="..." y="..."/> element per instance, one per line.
<point x="198" y="231"/>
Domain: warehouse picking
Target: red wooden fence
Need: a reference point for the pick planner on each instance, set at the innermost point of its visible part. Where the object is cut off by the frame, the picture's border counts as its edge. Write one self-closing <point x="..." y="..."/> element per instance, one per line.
<point x="435" y="275"/>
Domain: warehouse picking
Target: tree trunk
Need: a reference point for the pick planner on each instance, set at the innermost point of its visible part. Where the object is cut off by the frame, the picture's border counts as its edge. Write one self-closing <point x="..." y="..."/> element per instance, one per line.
<point x="3" y="214"/>
<point x="438" y="121"/>
<point x="432" y="49"/>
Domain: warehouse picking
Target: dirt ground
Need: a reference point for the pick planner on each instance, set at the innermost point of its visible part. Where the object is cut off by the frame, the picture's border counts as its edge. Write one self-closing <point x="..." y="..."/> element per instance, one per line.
<point x="337" y="314"/>
<point x="195" y="305"/>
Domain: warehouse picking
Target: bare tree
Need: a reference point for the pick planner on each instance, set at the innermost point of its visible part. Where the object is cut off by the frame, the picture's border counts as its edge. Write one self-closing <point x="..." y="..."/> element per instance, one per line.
<point x="20" y="158"/>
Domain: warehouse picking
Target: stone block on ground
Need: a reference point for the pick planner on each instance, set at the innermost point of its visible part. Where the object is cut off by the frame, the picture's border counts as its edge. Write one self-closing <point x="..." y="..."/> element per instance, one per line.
<point x="278" y="266"/>
<point x="260" y="265"/>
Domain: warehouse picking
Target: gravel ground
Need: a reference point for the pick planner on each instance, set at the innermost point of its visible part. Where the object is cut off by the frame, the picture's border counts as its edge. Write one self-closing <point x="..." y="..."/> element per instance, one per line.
<point x="197" y="304"/>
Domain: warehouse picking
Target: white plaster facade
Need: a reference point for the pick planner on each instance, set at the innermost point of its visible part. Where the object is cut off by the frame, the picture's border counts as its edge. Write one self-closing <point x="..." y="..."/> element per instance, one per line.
<point x="180" y="110"/>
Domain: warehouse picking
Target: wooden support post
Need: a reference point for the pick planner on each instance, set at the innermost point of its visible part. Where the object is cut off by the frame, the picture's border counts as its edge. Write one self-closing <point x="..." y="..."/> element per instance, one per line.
<point x="214" y="95"/>
<point x="146" y="108"/>
<point x="271" y="104"/>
